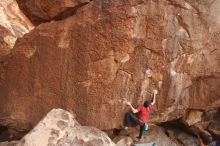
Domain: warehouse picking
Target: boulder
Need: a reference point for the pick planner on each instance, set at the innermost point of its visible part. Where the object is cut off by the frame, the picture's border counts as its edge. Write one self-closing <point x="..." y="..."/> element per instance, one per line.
<point x="60" y="128"/>
<point x="214" y="128"/>
<point x="181" y="137"/>
<point x="192" y="117"/>
<point x="154" y="136"/>
<point x="113" y="51"/>
<point x="39" y="11"/>
<point x="197" y="122"/>
<point x="13" y="25"/>
<point x="123" y="141"/>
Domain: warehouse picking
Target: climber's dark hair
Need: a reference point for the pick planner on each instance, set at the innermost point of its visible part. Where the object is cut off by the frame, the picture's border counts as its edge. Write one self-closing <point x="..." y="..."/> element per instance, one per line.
<point x="206" y="137"/>
<point x="146" y="103"/>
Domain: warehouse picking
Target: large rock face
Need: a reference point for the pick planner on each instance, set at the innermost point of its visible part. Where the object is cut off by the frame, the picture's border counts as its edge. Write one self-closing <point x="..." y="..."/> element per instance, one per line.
<point x="13" y="25"/>
<point x="60" y="128"/>
<point x="111" y="51"/>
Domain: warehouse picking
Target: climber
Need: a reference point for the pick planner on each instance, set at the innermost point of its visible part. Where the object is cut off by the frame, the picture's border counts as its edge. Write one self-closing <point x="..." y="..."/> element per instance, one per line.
<point x="143" y="110"/>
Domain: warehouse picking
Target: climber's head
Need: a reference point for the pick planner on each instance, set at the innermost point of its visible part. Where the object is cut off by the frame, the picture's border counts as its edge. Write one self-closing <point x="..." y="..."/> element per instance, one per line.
<point x="146" y="103"/>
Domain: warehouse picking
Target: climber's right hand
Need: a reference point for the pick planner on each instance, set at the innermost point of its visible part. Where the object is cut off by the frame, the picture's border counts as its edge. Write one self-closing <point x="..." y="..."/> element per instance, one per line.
<point x="155" y="92"/>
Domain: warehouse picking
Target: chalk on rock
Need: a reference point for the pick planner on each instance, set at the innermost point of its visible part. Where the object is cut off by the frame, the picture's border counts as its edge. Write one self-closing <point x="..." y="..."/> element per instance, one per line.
<point x="172" y="72"/>
<point x="148" y="72"/>
<point x="160" y="84"/>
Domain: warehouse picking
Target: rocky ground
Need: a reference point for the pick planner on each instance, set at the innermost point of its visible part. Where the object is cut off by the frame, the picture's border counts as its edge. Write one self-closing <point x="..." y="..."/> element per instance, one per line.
<point x="60" y="128"/>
